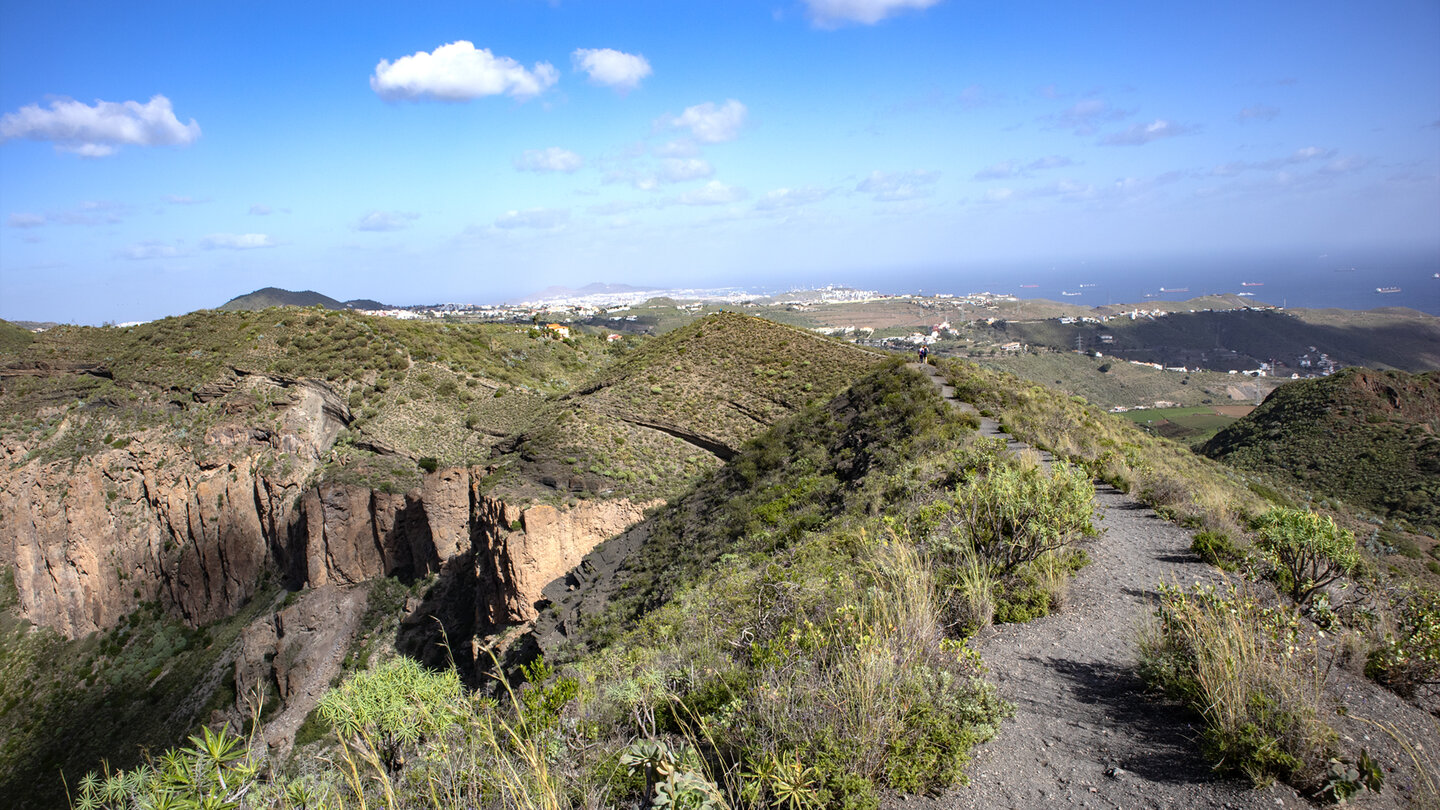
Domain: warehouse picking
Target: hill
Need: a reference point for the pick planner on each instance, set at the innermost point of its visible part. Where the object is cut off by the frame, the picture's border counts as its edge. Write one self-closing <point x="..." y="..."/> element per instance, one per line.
<point x="13" y="338"/>
<point x="677" y="405"/>
<point x="276" y="297"/>
<point x="1368" y="438"/>
<point x="1243" y="339"/>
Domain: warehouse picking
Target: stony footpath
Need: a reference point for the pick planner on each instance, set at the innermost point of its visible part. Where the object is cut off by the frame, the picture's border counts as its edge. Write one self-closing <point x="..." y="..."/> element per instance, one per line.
<point x="1084" y="733"/>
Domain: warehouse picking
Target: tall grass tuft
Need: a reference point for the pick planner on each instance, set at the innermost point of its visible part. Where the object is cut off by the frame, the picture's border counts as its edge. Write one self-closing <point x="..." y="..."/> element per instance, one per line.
<point x="1244" y="669"/>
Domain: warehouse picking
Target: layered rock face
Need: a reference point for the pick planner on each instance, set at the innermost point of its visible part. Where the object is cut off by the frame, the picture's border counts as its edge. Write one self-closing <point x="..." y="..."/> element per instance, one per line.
<point x="89" y="540"/>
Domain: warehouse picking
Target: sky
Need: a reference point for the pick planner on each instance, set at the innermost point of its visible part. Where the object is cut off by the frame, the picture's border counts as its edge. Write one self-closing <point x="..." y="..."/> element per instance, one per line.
<point x="161" y="157"/>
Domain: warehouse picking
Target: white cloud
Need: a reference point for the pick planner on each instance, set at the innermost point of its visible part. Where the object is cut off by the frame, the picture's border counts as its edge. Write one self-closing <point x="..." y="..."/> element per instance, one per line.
<point x="23" y="220"/>
<point x="96" y="131"/>
<point x="1141" y="134"/>
<point x="553" y="159"/>
<point x="385" y="221"/>
<point x="832" y="13"/>
<point x="709" y="123"/>
<point x="542" y="218"/>
<point x="612" y="68"/>
<point x="260" y="210"/>
<point x="713" y="193"/>
<point x="459" y="72"/>
<point x="149" y="250"/>
<point x="791" y="198"/>
<point x="236" y="241"/>
<point x="177" y="199"/>
<point x="679" y="170"/>
<point x="897" y="186"/>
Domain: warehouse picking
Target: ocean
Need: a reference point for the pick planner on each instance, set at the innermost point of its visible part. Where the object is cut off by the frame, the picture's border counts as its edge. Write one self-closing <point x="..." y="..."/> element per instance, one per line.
<point x="1315" y="282"/>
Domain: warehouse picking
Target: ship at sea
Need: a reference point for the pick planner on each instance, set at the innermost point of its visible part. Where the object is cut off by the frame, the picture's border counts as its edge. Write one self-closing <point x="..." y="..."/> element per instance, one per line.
<point x="1174" y="289"/>
<point x="1087" y="285"/>
<point x="1062" y="292"/>
<point x="1246" y="295"/>
<point x="1028" y="286"/>
<point x="1252" y="284"/>
<point x="1387" y="289"/>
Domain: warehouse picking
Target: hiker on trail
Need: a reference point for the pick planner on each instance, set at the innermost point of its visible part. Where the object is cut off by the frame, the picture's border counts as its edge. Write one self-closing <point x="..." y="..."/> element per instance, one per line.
<point x="925" y="354"/>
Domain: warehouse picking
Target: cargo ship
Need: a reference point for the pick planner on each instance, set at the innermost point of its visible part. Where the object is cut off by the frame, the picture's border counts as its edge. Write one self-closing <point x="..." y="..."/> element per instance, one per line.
<point x="1174" y="289"/>
<point x="1387" y="289"/>
<point x="1252" y="284"/>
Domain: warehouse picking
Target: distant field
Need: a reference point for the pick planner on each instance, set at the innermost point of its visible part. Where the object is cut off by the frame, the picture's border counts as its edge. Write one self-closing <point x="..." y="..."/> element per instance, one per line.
<point x="1189" y="425"/>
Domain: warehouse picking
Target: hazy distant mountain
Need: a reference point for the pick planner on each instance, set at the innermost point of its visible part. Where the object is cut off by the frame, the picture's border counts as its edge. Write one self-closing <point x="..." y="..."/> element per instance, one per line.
<point x="593" y="288"/>
<point x="276" y="297"/>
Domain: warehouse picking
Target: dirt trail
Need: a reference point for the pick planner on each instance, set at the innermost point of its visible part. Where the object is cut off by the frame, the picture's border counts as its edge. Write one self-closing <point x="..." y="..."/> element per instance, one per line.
<point x="1084" y="734"/>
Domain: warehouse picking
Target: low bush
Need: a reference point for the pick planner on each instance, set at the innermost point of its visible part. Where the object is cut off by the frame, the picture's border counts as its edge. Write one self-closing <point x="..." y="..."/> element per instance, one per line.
<point x="1217" y="549"/>
<point x="1408" y="657"/>
<point x="1234" y="662"/>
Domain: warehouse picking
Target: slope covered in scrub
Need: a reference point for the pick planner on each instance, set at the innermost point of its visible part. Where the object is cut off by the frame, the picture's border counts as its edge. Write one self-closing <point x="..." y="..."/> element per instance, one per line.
<point x="1368" y="438"/>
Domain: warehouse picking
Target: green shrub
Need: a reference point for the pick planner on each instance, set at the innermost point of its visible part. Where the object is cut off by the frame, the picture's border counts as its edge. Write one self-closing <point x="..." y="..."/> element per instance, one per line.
<point x="1216" y="549"/>
<point x="1306" y="551"/>
<point x="428" y="463"/>
<point x="1408" y="658"/>
<point x="1234" y="662"/>
<point x="1015" y="513"/>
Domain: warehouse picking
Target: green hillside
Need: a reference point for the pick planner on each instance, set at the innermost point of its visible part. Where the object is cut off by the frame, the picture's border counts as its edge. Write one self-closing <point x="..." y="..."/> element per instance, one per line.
<point x="1368" y="438"/>
<point x="676" y="406"/>
<point x="13" y="338"/>
<point x="276" y="297"/>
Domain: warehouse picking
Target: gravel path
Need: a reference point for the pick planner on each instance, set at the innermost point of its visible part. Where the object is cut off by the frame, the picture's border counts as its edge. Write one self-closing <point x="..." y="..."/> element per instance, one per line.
<point x="1084" y="734"/>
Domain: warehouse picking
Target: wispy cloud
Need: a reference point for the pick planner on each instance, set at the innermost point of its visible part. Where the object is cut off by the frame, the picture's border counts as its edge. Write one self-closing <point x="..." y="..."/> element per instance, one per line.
<point x="537" y="218"/>
<point x="26" y="220"/>
<point x="99" y="130"/>
<point x="1141" y="134"/>
<point x="1302" y="155"/>
<point x="1257" y="112"/>
<point x="178" y="199"/>
<point x="680" y="170"/>
<point x="553" y="159"/>
<point x="1014" y="168"/>
<point x="834" y="13"/>
<point x="236" y="241"/>
<point x="260" y="210"/>
<point x="1085" y="117"/>
<point x="713" y="193"/>
<point x="612" y="68"/>
<point x="385" y="221"/>
<point x="459" y="72"/>
<point x="898" y="186"/>
<point x="791" y="198"/>
<point x="149" y="250"/>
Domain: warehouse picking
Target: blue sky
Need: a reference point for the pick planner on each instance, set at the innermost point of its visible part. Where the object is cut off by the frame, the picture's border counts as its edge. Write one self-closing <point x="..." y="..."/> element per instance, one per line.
<point x="161" y="157"/>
